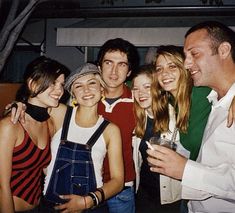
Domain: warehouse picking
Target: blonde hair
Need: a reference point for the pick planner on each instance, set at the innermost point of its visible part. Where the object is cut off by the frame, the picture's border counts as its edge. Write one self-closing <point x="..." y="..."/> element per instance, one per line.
<point x="139" y="112"/>
<point x="181" y="102"/>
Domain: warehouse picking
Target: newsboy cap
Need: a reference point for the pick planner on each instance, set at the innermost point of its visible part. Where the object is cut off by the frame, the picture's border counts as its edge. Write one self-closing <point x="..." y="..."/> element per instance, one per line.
<point x="85" y="69"/>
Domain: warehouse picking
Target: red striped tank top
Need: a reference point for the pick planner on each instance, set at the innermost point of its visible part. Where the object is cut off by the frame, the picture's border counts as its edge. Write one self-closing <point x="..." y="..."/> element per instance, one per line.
<point x="27" y="170"/>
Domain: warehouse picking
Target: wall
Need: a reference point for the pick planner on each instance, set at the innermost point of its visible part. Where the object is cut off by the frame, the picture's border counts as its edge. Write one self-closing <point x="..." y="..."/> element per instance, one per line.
<point x="7" y="94"/>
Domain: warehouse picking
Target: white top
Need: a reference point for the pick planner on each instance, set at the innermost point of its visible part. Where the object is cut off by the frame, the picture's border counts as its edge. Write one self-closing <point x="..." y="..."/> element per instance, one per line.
<point x="80" y="135"/>
<point x="210" y="182"/>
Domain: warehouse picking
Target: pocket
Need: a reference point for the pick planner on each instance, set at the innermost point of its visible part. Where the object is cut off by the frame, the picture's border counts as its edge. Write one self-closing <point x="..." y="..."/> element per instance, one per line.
<point x="71" y="178"/>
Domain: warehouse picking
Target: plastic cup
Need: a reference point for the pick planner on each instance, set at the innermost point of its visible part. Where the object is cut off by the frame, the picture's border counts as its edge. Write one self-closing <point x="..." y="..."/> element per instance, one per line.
<point x="163" y="142"/>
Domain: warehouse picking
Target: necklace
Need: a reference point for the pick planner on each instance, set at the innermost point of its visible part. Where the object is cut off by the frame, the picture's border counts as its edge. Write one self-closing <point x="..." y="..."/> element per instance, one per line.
<point x="38" y="113"/>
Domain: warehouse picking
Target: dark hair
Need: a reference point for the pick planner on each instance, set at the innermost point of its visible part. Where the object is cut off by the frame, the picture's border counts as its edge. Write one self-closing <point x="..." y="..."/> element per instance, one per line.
<point x="119" y="44"/>
<point x="218" y="33"/>
<point x="43" y="71"/>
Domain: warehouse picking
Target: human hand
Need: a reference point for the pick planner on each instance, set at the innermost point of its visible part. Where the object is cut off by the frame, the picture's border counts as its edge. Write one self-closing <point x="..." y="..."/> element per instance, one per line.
<point x="75" y="204"/>
<point x="17" y="110"/>
<point x="231" y="113"/>
<point x="166" y="161"/>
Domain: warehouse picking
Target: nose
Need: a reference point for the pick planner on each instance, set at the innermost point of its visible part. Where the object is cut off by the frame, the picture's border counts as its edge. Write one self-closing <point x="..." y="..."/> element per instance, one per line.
<point x="188" y="62"/>
<point x="114" y="69"/>
<point x="85" y="88"/>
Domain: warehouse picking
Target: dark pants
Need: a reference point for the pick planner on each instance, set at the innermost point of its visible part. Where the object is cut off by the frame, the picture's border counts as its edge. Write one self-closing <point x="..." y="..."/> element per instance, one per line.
<point x="48" y="207"/>
<point x="147" y="203"/>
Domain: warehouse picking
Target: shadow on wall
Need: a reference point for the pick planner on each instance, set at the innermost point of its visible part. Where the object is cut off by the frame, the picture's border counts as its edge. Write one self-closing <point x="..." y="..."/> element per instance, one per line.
<point x="7" y="94"/>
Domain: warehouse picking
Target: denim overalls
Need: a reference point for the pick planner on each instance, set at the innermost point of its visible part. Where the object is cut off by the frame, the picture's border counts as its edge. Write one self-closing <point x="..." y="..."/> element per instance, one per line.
<point x="73" y="171"/>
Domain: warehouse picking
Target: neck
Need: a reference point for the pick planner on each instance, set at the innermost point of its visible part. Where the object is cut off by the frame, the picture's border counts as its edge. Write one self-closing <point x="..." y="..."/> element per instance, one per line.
<point x="114" y="92"/>
<point x="37" y="113"/>
<point x="86" y="116"/>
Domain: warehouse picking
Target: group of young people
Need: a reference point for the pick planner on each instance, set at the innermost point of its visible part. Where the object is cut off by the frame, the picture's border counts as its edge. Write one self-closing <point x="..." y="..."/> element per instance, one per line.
<point x="95" y="155"/>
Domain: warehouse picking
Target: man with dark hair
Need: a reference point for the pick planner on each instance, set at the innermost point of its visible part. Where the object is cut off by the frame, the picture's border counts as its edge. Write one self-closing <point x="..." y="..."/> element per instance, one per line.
<point x="209" y="183"/>
<point x="117" y="58"/>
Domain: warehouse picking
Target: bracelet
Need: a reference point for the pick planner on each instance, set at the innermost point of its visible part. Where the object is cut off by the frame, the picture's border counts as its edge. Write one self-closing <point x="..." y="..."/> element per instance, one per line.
<point x="94" y="198"/>
<point x="84" y="198"/>
<point x="102" y="194"/>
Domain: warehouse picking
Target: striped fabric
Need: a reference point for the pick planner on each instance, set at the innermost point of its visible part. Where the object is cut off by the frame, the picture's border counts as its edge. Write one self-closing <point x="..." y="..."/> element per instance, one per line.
<point x="27" y="165"/>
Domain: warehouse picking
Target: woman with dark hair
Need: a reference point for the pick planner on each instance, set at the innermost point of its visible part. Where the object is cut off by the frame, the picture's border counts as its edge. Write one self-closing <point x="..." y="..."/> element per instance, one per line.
<point x="24" y="146"/>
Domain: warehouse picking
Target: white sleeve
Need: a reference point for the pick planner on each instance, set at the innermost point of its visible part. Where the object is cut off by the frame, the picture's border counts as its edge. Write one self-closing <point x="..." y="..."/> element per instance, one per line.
<point x="200" y="182"/>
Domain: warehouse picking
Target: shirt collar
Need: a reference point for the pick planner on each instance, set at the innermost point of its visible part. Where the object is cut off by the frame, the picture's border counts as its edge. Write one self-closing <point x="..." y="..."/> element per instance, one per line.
<point x="225" y="101"/>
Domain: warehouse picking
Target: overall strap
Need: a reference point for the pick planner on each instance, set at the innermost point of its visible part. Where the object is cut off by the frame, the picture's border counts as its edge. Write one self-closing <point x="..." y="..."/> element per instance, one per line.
<point x="65" y="126"/>
<point x="97" y="133"/>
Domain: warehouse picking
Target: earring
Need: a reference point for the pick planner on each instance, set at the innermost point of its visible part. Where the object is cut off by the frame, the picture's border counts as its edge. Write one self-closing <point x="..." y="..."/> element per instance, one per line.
<point x="102" y="97"/>
<point x="74" y="102"/>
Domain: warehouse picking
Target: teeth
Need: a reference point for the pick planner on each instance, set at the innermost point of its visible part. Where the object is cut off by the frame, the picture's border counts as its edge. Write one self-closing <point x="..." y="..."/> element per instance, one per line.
<point x="88" y="97"/>
<point x="193" y="72"/>
<point x="167" y="81"/>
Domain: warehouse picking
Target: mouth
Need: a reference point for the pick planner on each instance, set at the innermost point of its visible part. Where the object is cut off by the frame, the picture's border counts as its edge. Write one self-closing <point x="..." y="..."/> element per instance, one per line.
<point x="113" y="78"/>
<point x="168" y="81"/>
<point x="87" y="97"/>
<point x="56" y="97"/>
<point x="142" y="99"/>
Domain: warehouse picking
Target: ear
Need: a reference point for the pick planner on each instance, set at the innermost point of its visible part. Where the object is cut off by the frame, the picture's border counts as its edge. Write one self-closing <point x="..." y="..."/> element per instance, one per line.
<point x="99" y="69"/>
<point x="32" y="85"/>
<point x="224" y="49"/>
<point x="129" y="73"/>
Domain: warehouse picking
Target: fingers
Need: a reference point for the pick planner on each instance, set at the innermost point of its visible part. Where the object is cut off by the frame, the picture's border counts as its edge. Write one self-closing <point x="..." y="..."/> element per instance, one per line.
<point x="18" y="112"/>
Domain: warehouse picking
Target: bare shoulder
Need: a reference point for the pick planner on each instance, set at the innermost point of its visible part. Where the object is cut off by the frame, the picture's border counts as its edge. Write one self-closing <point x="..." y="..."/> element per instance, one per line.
<point x="7" y="125"/>
<point x="112" y="128"/>
<point x="8" y="130"/>
<point x="112" y="132"/>
<point x="61" y="109"/>
<point x="57" y="115"/>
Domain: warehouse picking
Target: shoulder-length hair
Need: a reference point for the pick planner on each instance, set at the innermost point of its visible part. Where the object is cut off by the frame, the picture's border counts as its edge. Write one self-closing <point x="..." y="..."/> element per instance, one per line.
<point x="139" y="112"/>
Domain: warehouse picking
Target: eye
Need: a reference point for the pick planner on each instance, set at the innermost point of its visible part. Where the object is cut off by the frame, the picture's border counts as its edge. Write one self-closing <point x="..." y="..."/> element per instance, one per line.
<point x="148" y="86"/>
<point x="77" y="86"/>
<point x="173" y="66"/>
<point x="123" y="65"/>
<point x="107" y="63"/>
<point x="158" y="69"/>
<point x="135" y="89"/>
<point x="195" y="53"/>
<point x="92" y="82"/>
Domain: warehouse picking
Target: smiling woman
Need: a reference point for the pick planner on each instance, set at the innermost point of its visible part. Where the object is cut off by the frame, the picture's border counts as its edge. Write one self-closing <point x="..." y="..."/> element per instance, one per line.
<point x="24" y="146"/>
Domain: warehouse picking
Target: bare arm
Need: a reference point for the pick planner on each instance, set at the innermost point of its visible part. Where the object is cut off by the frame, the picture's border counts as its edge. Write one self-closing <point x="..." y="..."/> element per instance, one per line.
<point x="7" y="142"/>
<point x="116" y="182"/>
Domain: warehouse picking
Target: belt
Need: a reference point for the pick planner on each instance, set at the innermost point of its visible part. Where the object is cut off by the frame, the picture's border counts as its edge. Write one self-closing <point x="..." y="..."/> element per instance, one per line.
<point x="128" y="185"/>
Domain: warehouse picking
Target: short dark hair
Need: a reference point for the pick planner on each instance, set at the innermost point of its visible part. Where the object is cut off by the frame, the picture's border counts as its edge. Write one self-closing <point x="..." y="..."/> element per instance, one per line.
<point x="44" y="71"/>
<point x="119" y="44"/>
<point x="218" y="33"/>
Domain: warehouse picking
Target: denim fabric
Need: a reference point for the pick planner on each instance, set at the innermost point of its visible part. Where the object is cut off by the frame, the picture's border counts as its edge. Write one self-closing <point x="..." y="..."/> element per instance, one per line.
<point x="122" y="202"/>
<point x="73" y="172"/>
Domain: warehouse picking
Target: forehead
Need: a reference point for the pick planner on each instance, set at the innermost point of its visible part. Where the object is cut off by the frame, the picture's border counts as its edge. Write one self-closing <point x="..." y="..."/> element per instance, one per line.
<point x="164" y="58"/>
<point x="196" y="39"/>
<point x="142" y="78"/>
<point x="85" y="78"/>
<point x="115" y="55"/>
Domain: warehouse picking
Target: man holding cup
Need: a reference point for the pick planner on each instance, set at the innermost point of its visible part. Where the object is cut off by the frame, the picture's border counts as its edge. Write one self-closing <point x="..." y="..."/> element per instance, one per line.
<point x="209" y="183"/>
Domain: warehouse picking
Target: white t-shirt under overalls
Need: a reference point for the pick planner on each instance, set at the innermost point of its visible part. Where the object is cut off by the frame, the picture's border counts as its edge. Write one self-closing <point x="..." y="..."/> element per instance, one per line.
<point x="80" y="135"/>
